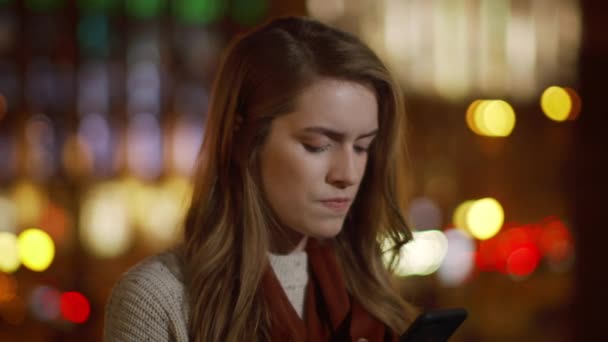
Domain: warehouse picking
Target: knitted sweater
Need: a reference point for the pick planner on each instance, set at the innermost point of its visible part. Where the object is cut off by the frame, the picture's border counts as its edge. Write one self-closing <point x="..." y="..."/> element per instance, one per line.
<point x="149" y="302"/>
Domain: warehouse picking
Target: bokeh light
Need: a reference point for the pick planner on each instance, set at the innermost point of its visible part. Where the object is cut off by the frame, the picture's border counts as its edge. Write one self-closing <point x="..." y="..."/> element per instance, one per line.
<point x="198" y="11"/>
<point x="105" y="221"/>
<point x="186" y="142"/>
<point x="8" y="215"/>
<point x="144" y="147"/>
<point x="424" y="213"/>
<point x="459" y="218"/>
<point x="575" y="111"/>
<point x="556" y="103"/>
<point x="43" y="148"/>
<point x="326" y="10"/>
<point x="484" y="218"/>
<point x="29" y="200"/>
<point x="160" y="210"/>
<point x="9" y="252"/>
<point x="423" y="254"/>
<point x="556" y="244"/>
<point x="44" y="303"/>
<point x="95" y="139"/>
<point x="523" y="261"/>
<point x="36" y="249"/>
<point x="492" y="118"/>
<point x="75" y="307"/>
<point x="459" y="259"/>
<point x="56" y="222"/>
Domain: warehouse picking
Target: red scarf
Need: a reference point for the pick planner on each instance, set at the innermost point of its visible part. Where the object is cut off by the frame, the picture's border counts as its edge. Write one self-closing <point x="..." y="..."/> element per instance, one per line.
<point x="331" y="314"/>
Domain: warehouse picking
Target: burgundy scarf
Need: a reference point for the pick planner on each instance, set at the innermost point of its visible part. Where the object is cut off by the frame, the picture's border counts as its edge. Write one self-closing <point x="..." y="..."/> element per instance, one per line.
<point x="330" y="313"/>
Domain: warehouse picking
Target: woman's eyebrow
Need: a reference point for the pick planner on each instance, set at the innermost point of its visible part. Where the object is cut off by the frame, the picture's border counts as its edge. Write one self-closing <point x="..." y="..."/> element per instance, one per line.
<point x="336" y="135"/>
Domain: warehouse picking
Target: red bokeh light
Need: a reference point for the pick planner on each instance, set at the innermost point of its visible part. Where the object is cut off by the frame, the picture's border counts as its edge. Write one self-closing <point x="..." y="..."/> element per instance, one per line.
<point x="75" y="307"/>
<point x="523" y="261"/>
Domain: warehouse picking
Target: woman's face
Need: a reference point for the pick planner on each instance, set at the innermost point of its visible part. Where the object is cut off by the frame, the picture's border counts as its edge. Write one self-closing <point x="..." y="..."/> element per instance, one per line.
<point x="314" y="158"/>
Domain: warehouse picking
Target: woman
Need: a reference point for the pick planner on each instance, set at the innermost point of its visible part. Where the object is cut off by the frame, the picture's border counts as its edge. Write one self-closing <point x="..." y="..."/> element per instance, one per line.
<point x="299" y="182"/>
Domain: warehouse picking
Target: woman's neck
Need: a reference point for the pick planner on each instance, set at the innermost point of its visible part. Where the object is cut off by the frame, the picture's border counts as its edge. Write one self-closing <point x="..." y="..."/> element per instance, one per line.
<point x="288" y="243"/>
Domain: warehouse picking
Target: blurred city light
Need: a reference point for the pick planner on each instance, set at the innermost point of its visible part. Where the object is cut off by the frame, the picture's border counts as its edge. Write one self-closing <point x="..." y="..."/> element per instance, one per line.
<point x="423" y="254"/>
<point x="8" y="215"/>
<point x="29" y="200"/>
<point x="459" y="259"/>
<point x="560" y="104"/>
<point x="556" y="244"/>
<point x="187" y="139"/>
<point x="523" y="261"/>
<point x="424" y="214"/>
<point x="95" y="136"/>
<point x="9" y="253"/>
<point x="484" y="218"/>
<point x="43" y="146"/>
<point x="56" y="222"/>
<point x="75" y="307"/>
<point x="496" y="48"/>
<point x="459" y="218"/>
<point x="326" y="10"/>
<point x="198" y="11"/>
<point x="493" y="118"/>
<point x="105" y="221"/>
<point x="44" y="303"/>
<point x="36" y="249"/>
<point x="144" y="146"/>
<point x="160" y="211"/>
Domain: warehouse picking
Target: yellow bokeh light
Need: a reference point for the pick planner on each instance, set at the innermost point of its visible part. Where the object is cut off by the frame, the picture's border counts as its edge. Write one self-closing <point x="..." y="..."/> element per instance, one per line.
<point x="493" y="118"/>
<point x="29" y="201"/>
<point x="8" y="215"/>
<point x="470" y="117"/>
<point x="459" y="217"/>
<point x="498" y="118"/>
<point x="36" y="249"/>
<point x="556" y="103"/>
<point x="105" y="220"/>
<point x="484" y="218"/>
<point x="160" y="210"/>
<point x="9" y="253"/>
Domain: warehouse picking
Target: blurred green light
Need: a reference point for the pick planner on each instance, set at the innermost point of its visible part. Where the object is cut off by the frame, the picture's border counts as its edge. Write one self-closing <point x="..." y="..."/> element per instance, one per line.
<point x="198" y="11"/>
<point x="93" y="34"/>
<point x="44" y="5"/>
<point x="145" y="8"/>
<point x="248" y="12"/>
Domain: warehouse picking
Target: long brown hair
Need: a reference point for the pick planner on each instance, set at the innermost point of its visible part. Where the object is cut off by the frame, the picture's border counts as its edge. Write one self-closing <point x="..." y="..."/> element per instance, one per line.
<point x="227" y="227"/>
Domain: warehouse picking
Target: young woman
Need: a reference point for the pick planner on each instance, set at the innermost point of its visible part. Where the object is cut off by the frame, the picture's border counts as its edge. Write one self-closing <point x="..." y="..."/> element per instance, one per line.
<point x="300" y="183"/>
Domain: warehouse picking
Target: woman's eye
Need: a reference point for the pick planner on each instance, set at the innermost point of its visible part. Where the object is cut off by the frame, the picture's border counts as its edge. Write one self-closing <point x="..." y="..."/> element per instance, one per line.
<point x="315" y="149"/>
<point x="361" y="149"/>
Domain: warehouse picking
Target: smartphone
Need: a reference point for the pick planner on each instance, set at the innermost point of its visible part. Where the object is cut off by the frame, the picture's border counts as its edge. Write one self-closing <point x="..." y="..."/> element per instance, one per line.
<point x="434" y="325"/>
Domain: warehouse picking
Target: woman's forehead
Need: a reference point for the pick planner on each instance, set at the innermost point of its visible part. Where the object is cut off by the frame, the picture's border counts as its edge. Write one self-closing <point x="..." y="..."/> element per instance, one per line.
<point x="342" y="106"/>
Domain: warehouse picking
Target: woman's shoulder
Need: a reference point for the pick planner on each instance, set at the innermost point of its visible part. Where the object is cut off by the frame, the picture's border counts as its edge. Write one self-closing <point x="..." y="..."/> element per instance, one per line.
<point x="148" y="300"/>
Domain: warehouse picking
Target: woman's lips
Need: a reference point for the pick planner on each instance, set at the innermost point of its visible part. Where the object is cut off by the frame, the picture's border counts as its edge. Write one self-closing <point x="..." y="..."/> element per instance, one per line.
<point x="337" y="204"/>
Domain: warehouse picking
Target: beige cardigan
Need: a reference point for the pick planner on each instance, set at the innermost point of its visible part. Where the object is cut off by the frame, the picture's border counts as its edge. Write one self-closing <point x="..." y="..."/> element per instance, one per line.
<point x="148" y="303"/>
